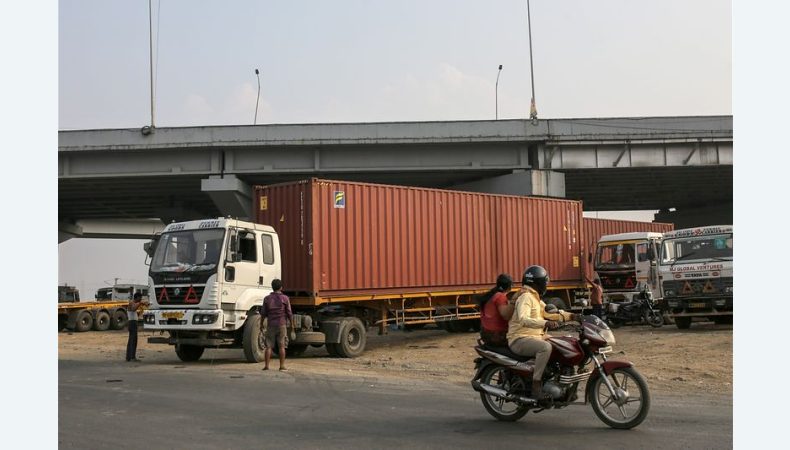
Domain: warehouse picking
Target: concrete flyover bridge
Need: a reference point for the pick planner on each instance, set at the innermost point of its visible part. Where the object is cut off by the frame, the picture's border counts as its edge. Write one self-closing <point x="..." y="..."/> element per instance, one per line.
<point x="112" y="182"/>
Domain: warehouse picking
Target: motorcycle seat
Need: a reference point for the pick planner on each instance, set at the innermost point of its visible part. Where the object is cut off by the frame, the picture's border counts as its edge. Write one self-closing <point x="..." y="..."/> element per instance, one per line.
<point x="505" y="351"/>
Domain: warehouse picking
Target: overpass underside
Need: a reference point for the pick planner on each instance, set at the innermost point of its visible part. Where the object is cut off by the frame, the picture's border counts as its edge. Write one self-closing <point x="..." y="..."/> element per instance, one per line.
<point x="609" y="164"/>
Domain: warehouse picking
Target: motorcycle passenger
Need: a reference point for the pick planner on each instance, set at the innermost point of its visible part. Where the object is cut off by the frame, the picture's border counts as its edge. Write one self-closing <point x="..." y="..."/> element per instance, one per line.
<point x="528" y="325"/>
<point x="495" y="311"/>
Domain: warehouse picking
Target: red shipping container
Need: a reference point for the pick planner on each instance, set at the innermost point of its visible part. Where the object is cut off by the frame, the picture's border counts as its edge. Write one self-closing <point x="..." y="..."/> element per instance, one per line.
<point x="342" y="238"/>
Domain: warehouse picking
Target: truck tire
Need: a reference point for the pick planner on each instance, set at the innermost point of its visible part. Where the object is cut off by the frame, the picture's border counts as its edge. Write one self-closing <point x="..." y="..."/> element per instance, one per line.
<point x="189" y="353"/>
<point x="84" y="321"/>
<point x="253" y="340"/>
<point x="353" y="337"/>
<point x="683" y="323"/>
<point x="118" y="319"/>
<point x="102" y="321"/>
<point x="558" y="302"/>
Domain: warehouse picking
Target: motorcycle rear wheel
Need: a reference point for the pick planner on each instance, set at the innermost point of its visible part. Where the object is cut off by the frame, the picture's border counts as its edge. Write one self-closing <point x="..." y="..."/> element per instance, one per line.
<point x="506" y="411"/>
<point x="634" y="404"/>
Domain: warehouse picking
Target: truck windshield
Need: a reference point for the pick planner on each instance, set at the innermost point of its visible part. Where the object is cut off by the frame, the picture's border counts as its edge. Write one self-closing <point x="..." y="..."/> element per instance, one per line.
<point x="615" y="255"/>
<point x="188" y="251"/>
<point x="715" y="247"/>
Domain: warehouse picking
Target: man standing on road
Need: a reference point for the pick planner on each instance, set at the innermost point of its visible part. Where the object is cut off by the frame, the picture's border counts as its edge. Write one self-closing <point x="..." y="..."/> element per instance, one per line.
<point x="277" y="311"/>
<point x="131" y="345"/>
<point x="596" y="296"/>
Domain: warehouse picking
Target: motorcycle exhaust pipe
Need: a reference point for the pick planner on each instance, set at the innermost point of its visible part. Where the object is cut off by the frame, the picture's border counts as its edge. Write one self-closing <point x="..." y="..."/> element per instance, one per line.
<point x="501" y="393"/>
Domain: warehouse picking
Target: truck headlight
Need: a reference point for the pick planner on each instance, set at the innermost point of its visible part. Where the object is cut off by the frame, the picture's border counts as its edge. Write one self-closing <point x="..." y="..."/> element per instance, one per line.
<point x="204" y="319"/>
<point x="728" y="290"/>
<point x="669" y="293"/>
<point x="148" y="319"/>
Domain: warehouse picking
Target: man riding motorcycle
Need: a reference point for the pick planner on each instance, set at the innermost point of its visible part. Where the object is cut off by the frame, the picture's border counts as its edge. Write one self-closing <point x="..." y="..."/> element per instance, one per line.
<point x="528" y="325"/>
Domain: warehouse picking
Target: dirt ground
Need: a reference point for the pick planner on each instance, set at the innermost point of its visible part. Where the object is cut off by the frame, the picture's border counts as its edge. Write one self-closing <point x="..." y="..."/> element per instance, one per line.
<point x="697" y="360"/>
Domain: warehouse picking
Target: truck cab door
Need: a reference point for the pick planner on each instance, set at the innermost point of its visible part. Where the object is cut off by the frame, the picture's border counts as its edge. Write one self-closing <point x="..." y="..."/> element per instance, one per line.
<point x="270" y="260"/>
<point x="241" y="271"/>
<point x="642" y="265"/>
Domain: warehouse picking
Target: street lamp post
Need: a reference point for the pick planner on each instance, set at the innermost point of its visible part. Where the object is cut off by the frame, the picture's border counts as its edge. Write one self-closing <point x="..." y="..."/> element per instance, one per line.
<point x="257" y="75"/>
<point x="533" y="110"/>
<point x="496" y="94"/>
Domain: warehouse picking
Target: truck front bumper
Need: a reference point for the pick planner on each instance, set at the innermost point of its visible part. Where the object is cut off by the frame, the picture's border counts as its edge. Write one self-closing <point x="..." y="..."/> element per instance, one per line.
<point x="691" y="307"/>
<point x="183" y="319"/>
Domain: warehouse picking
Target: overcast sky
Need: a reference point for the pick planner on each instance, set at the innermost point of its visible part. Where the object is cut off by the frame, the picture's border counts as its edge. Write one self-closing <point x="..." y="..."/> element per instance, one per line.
<point x="363" y="61"/>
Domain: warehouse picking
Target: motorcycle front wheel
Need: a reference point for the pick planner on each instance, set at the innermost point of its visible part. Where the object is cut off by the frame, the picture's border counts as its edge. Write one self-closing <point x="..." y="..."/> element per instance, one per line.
<point x="629" y="404"/>
<point x="503" y="378"/>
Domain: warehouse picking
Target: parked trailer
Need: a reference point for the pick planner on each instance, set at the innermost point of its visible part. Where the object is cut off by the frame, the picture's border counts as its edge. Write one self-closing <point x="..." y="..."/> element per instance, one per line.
<point x="98" y="316"/>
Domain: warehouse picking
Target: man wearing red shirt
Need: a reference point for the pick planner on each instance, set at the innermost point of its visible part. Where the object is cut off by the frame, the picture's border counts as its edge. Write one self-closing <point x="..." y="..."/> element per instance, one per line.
<point x="495" y="312"/>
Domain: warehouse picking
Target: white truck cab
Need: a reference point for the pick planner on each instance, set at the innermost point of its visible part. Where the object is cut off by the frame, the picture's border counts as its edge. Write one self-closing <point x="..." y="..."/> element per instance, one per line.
<point x="695" y="271"/>
<point x="625" y="264"/>
<point x="207" y="279"/>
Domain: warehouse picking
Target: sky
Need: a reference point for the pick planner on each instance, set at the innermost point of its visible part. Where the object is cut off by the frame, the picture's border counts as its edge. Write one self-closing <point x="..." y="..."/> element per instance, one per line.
<point x="372" y="60"/>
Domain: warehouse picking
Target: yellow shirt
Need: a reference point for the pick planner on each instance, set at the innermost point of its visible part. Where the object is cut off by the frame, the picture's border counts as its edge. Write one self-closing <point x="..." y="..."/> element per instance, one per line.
<point x="530" y="316"/>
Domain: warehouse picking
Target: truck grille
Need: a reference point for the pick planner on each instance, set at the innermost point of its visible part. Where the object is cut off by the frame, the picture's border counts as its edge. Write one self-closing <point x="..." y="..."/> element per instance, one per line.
<point x="687" y="288"/>
<point x="179" y="295"/>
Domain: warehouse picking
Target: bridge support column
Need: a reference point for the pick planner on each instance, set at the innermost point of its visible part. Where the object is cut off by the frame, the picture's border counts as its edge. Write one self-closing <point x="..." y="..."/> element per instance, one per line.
<point x="232" y="196"/>
<point x="526" y="182"/>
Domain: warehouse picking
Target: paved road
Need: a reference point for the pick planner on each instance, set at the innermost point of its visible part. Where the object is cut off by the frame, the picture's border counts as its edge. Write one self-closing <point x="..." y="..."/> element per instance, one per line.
<point x="199" y="406"/>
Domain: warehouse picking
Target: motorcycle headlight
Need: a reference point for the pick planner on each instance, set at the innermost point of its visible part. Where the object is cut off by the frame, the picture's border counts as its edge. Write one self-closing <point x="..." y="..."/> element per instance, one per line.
<point x="608" y="336"/>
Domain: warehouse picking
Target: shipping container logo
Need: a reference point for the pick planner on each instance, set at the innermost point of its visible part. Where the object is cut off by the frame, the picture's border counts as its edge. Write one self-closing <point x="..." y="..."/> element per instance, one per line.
<point x="264" y="202"/>
<point x="340" y="199"/>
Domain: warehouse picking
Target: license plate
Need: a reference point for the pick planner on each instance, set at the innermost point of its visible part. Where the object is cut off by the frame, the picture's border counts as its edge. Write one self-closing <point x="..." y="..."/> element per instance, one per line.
<point x="173" y="315"/>
<point x="698" y="305"/>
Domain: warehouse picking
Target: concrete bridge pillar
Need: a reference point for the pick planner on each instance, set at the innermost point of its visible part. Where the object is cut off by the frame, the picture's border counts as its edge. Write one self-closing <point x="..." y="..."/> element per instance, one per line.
<point x="232" y="196"/>
<point x="524" y="182"/>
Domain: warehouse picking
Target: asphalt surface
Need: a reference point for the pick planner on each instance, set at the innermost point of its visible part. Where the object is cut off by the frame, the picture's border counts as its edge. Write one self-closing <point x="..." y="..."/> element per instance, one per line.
<point x="170" y="405"/>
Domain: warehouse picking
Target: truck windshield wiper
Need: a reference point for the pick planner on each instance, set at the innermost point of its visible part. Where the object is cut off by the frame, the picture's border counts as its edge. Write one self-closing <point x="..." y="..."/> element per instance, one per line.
<point x="677" y="260"/>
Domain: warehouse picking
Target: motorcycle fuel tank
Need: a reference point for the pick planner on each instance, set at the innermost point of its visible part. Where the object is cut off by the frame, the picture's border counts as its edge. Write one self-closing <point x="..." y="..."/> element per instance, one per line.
<point x="566" y="350"/>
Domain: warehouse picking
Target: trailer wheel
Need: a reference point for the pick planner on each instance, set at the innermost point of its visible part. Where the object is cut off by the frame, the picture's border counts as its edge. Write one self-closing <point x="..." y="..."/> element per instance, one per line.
<point x="118" y="319"/>
<point x="189" y="353"/>
<point x="84" y="321"/>
<point x="683" y="323"/>
<point x="352" y="338"/>
<point x="102" y="321"/>
<point x="253" y="341"/>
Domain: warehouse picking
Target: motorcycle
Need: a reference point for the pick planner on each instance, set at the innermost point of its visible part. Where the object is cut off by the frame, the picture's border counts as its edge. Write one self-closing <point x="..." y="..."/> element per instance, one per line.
<point x="641" y="310"/>
<point x="618" y="394"/>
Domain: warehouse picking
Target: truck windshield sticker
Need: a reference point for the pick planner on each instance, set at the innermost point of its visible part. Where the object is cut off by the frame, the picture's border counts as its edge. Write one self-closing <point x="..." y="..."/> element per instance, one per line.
<point x="340" y="199"/>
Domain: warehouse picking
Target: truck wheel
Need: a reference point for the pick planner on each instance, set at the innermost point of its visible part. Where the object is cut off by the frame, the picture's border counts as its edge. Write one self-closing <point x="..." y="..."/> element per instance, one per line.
<point x="558" y="302"/>
<point x="189" y="353"/>
<point x="352" y="338"/>
<point x="253" y="341"/>
<point x="102" y="321"/>
<point x="118" y="319"/>
<point x="84" y="321"/>
<point x="683" y="323"/>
